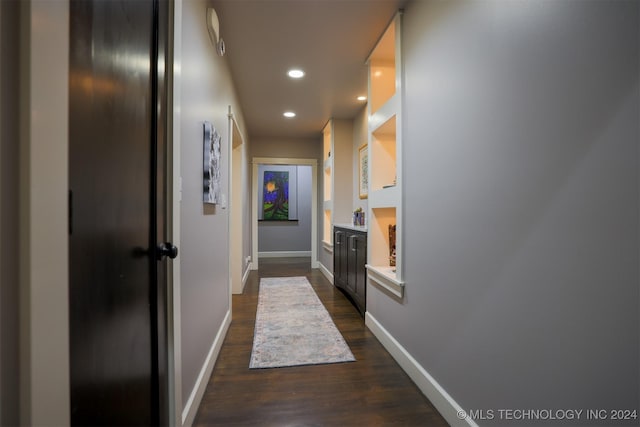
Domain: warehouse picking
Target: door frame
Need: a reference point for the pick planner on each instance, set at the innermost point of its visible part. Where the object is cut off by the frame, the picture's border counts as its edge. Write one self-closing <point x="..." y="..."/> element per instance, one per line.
<point x="257" y="161"/>
<point x="236" y="159"/>
<point x="43" y="212"/>
<point x="174" y="198"/>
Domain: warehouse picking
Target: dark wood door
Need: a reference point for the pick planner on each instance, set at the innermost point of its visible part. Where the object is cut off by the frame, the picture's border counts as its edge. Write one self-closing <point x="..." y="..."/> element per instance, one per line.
<point x="116" y="179"/>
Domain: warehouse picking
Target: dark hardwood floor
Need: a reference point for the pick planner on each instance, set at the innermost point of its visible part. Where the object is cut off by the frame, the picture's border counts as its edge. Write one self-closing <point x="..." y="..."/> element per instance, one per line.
<point x="373" y="391"/>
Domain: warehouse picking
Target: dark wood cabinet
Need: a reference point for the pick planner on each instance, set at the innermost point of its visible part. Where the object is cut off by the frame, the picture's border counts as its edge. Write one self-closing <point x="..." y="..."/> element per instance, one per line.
<point x="349" y="259"/>
<point x="339" y="257"/>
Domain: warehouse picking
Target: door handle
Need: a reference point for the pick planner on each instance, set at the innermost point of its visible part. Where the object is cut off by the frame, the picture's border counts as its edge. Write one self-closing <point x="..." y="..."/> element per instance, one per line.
<point x="167" y="249"/>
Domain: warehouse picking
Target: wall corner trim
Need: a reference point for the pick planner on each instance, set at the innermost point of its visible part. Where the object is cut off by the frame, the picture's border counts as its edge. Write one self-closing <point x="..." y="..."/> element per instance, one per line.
<point x="443" y="402"/>
<point x="193" y="403"/>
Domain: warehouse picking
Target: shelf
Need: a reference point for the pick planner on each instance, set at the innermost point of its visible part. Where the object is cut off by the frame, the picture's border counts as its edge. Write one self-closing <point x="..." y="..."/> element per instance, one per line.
<point x="384" y="198"/>
<point x="379" y="246"/>
<point x="382" y="69"/>
<point x="383" y="159"/>
<point x="385" y="277"/>
<point x="326" y="232"/>
<point x="328" y="246"/>
<point x="338" y="167"/>
<point x="385" y="162"/>
<point x="337" y="196"/>
<point x="379" y="117"/>
<point x="327" y="184"/>
<point x="326" y="143"/>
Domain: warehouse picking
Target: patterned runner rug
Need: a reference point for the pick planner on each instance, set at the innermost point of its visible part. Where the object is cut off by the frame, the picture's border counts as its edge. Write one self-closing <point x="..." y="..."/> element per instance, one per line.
<point x="293" y="327"/>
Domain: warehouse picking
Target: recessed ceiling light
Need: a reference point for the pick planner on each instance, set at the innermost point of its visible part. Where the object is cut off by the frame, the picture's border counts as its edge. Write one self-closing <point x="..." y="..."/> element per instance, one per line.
<point x="362" y="98"/>
<point x="289" y="114"/>
<point x="295" y="73"/>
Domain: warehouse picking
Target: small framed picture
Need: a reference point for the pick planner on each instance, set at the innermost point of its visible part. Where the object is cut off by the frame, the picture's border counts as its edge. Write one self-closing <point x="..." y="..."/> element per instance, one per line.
<point x="363" y="172"/>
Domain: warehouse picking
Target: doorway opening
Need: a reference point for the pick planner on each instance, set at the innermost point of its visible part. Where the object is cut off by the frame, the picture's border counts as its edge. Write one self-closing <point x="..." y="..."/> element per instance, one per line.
<point x="279" y="165"/>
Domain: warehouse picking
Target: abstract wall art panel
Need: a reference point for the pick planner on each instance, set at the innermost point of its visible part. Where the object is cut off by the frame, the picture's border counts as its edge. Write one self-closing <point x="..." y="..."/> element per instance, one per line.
<point x="211" y="172"/>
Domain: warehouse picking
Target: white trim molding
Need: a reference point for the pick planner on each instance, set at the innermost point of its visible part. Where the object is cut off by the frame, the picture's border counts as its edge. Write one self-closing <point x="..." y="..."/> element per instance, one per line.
<point x="443" y="402"/>
<point x="193" y="403"/>
<point x="284" y="254"/>
<point x="385" y="277"/>
<point x="174" y="304"/>
<point x="325" y="271"/>
<point x="245" y="275"/>
<point x="237" y="188"/>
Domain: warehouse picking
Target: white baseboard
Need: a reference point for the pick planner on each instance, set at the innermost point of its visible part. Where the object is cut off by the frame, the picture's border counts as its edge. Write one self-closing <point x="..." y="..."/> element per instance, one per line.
<point x="443" y="402"/>
<point x="193" y="403"/>
<point x="284" y="254"/>
<point x="245" y="276"/>
<point x="325" y="271"/>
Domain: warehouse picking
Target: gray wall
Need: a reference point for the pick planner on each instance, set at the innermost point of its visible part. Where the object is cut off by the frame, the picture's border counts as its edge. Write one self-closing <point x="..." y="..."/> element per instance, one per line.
<point x="9" y="160"/>
<point x="295" y="148"/>
<point x="206" y="91"/>
<point x="288" y="236"/>
<point x="521" y="205"/>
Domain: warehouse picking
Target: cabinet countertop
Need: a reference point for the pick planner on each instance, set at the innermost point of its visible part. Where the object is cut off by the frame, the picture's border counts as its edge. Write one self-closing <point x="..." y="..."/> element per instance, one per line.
<point x="362" y="228"/>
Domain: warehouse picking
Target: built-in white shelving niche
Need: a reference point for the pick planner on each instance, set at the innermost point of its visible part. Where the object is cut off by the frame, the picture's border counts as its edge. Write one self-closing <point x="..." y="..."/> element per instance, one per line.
<point x="384" y="262"/>
<point x="327" y="205"/>
<point x="337" y="137"/>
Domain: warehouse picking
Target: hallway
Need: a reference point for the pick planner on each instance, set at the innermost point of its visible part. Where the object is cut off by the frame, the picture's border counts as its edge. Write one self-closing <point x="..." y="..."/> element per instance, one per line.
<point x="371" y="391"/>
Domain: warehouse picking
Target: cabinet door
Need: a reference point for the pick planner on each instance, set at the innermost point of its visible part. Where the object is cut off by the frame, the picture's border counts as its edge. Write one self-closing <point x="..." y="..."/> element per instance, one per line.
<point x="358" y="274"/>
<point x="351" y="262"/>
<point x="360" y="277"/>
<point x="339" y="258"/>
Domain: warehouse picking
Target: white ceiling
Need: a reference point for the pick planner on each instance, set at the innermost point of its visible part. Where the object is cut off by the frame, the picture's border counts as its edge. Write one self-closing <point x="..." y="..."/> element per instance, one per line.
<point x="329" y="39"/>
